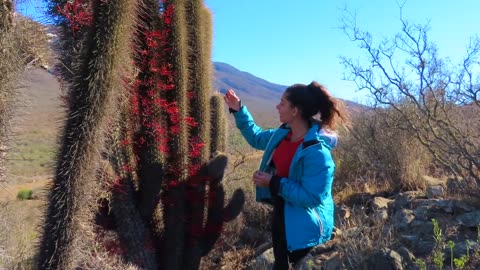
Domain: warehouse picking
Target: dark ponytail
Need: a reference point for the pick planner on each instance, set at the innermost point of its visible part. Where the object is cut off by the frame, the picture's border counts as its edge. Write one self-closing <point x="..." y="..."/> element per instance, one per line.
<point x="314" y="99"/>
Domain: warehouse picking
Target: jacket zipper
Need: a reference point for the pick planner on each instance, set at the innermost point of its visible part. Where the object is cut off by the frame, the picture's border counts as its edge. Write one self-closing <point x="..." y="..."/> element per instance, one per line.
<point x="271" y="155"/>
<point x="320" y="223"/>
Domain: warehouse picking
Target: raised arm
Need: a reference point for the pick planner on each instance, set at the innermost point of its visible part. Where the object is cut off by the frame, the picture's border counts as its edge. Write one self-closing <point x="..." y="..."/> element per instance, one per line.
<point x="253" y="134"/>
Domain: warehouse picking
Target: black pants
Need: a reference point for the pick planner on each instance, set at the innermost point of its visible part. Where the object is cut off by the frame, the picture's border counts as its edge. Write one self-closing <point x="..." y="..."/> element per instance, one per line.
<point x="283" y="257"/>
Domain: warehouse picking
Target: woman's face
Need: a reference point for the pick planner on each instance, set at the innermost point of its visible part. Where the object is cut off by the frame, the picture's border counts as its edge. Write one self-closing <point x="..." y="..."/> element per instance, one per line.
<point x="286" y="111"/>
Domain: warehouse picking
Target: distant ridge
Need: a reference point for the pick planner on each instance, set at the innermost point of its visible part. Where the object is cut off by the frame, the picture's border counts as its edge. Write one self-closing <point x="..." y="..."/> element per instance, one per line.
<point x="227" y="76"/>
<point x="261" y="95"/>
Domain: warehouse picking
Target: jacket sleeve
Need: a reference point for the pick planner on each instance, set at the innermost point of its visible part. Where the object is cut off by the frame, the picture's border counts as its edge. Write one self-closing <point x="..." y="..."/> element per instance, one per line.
<point x="255" y="135"/>
<point x="315" y="185"/>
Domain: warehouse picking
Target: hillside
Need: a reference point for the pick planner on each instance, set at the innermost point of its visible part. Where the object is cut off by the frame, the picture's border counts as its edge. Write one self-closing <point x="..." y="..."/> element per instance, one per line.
<point x="260" y="95"/>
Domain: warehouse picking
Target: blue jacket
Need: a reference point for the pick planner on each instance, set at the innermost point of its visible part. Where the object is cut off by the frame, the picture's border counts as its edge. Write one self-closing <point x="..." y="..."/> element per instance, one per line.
<point x="308" y="189"/>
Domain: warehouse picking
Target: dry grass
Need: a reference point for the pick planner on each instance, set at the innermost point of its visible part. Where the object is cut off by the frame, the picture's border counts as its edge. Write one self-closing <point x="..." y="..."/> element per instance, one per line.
<point x="18" y="223"/>
<point x="374" y="150"/>
<point x="360" y="239"/>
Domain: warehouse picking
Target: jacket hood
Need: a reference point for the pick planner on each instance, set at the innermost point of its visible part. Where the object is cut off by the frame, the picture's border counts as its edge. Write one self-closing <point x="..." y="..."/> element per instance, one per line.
<point x="329" y="137"/>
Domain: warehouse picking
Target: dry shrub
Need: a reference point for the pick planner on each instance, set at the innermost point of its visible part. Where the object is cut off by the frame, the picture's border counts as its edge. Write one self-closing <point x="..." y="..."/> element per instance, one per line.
<point x="237" y="259"/>
<point x="102" y="252"/>
<point x="375" y="149"/>
<point x="257" y="215"/>
<point x="18" y="221"/>
<point x="33" y="42"/>
<point x="23" y="43"/>
<point x="359" y="239"/>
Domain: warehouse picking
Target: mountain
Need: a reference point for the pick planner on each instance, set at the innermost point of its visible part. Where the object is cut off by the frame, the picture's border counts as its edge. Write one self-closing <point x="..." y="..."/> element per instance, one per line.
<point x="227" y="76"/>
<point x="259" y="94"/>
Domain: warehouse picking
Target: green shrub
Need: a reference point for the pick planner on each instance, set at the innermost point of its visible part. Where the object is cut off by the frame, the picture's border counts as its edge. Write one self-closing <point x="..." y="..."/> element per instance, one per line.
<point x="25" y="194"/>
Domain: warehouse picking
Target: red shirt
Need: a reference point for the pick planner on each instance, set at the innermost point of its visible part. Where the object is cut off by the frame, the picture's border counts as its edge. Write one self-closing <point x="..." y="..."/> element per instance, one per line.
<point x="283" y="155"/>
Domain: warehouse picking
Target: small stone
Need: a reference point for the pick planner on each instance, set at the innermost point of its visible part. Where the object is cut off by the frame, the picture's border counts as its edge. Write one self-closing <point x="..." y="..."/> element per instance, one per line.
<point x="435" y="192"/>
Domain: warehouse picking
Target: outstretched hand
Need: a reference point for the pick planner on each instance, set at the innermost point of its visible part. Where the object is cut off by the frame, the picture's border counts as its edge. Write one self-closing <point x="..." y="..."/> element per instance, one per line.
<point x="233" y="102"/>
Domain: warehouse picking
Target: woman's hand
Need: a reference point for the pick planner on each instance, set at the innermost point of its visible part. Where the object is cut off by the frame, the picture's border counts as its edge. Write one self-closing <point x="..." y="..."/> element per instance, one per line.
<point x="262" y="179"/>
<point x="233" y="102"/>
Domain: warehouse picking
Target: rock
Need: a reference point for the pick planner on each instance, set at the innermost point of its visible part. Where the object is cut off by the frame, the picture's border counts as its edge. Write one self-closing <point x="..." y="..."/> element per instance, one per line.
<point x="455" y="185"/>
<point x="400" y="203"/>
<point x="417" y="245"/>
<point x="342" y="213"/>
<point x="471" y="220"/>
<point x="424" y="212"/>
<point x="435" y="192"/>
<point x="380" y="216"/>
<point x="413" y="194"/>
<point x="381" y="203"/>
<point x="263" y="261"/>
<point x="328" y="261"/>
<point x="252" y="236"/>
<point x="447" y="206"/>
<point x="422" y="228"/>
<point x="336" y="233"/>
<point x="407" y="255"/>
<point x="334" y="263"/>
<point x="402" y="219"/>
<point x="462" y="206"/>
<point x="432" y="181"/>
<point x="384" y="259"/>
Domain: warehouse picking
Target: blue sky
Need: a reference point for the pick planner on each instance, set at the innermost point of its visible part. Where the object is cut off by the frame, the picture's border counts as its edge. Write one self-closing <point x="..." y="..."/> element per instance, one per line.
<point x="289" y="42"/>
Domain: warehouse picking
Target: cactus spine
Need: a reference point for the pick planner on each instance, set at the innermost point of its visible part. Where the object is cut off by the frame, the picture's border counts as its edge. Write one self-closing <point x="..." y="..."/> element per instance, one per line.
<point x="91" y="95"/>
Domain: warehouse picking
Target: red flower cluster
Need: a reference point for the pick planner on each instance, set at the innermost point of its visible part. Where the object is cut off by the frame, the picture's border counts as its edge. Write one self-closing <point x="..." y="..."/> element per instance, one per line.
<point x="78" y="13"/>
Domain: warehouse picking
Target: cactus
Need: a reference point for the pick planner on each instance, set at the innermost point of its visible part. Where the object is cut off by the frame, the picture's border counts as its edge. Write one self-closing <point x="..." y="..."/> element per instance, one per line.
<point x="6" y="15"/>
<point x="9" y="68"/>
<point x="164" y="166"/>
<point x="132" y="228"/>
<point x="150" y="137"/>
<point x="219" y="125"/>
<point x="91" y="95"/>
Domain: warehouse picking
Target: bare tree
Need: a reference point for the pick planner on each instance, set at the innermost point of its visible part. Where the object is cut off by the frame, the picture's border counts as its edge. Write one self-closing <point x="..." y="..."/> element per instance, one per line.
<point x="434" y="100"/>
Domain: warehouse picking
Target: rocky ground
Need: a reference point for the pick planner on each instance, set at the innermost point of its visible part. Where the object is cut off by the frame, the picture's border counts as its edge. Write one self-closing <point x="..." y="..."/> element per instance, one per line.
<point x="407" y="220"/>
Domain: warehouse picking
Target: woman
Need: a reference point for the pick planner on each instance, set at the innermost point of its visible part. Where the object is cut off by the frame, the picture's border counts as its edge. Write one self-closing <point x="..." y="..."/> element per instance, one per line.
<point x="296" y="171"/>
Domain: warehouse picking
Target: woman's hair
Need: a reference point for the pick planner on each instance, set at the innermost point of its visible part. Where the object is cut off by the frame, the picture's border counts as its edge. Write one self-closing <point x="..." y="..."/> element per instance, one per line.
<point x="314" y="99"/>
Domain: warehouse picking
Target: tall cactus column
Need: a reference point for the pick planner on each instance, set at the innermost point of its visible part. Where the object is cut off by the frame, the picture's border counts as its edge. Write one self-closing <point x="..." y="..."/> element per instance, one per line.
<point x="200" y="88"/>
<point x="149" y="140"/>
<point x="8" y="69"/>
<point x="91" y="96"/>
<point x="176" y="167"/>
<point x="137" y="159"/>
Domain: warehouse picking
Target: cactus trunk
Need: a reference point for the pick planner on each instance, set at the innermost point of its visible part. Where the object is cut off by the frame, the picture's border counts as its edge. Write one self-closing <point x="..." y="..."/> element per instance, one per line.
<point x="165" y="151"/>
<point x="175" y="170"/>
<point x="91" y="96"/>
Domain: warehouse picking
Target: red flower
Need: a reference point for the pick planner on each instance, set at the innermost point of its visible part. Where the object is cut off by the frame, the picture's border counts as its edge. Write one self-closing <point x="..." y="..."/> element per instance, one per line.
<point x="124" y="142"/>
<point x="191" y="121"/>
<point x="77" y="13"/>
